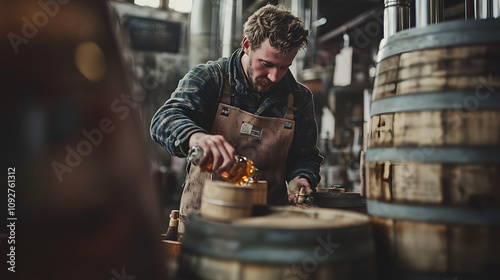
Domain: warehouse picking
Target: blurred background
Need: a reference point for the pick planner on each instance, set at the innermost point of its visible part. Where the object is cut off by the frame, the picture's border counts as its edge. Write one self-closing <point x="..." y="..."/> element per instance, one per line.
<point x="81" y="81"/>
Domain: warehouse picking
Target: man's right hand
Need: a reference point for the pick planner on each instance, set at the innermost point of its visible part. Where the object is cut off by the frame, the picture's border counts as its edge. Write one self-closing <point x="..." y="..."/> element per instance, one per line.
<point x="217" y="147"/>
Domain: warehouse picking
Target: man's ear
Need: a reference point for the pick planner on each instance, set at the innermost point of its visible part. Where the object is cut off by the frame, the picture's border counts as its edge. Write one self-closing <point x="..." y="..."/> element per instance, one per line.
<point x="245" y="45"/>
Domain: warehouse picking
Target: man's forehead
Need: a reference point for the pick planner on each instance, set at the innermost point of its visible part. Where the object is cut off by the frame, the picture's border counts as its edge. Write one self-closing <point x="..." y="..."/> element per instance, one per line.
<point x="271" y="54"/>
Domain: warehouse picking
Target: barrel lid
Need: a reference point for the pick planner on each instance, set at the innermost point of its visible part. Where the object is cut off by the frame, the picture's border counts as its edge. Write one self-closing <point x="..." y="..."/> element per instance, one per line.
<point x="288" y="217"/>
<point x="282" y="238"/>
<point x="444" y="34"/>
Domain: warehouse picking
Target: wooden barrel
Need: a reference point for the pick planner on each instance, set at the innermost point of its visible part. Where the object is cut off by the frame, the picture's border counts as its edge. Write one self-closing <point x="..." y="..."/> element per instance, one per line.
<point x="259" y="192"/>
<point x="224" y="201"/>
<point x="433" y="156"/>
<point x="286" y="243"/>
<point x="172" y="250"/>
<point x="344" y="201"/>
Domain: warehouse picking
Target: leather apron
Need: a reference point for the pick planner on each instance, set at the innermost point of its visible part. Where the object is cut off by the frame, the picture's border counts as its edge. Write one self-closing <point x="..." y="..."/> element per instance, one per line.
<point x="264" y="140"/>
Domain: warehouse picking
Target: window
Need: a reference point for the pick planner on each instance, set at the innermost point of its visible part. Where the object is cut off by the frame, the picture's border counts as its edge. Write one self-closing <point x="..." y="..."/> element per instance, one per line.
<point x="183" y="6"/>
<point x="150" y="3"/>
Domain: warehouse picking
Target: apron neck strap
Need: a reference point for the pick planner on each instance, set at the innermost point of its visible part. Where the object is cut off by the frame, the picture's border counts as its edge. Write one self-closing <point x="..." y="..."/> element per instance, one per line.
<point x="289" y="108"/>
<point x="226" y="91"/>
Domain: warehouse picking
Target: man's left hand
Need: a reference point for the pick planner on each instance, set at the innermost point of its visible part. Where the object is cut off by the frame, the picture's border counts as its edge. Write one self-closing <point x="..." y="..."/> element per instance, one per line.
<point x="294" y="187"/>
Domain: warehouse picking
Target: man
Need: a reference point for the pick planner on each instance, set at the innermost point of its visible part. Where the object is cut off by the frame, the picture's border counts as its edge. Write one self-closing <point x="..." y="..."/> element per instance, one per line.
<point x="252" y="106"/>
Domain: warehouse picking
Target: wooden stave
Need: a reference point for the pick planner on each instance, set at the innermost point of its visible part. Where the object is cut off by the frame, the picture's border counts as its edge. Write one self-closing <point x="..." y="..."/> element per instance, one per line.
<point x="451" y="253"/>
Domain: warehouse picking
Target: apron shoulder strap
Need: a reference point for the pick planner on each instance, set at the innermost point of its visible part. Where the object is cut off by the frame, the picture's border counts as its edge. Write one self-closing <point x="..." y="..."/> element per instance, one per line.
<point x="289" y="108"/>
<point x="226" y="91"/>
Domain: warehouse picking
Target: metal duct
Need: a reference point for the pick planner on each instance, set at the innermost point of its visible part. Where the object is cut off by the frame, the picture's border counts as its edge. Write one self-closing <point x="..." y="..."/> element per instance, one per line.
<point x="428" y="12"/>
<point x="396" y="16"/>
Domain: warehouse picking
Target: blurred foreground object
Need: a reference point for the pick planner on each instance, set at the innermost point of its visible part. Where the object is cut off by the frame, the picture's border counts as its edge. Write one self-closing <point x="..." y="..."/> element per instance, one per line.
<point x="85" y="203"/>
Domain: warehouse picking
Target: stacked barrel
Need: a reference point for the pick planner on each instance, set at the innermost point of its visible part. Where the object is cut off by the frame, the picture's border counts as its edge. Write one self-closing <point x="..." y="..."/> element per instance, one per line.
<point x="433" y="156"/>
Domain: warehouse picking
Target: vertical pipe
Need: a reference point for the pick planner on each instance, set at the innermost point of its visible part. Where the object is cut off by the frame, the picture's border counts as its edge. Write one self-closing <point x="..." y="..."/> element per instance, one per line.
<point x="496" y="9"/>
<point x="469" y="9"/>
<point x="396" y="16"/>
<point x="164" y="4"/>
<point x="428" y="12"/>
<point x="238" y="26"/>
<point x="481" y="9"/>
<point x="314" y="34"/>
<point x="314" y="11"/>
<point x="297" y="7"/>
<point x="201" y="45"/>
<point x="487" y="9"/>
<point x="215" y="40"/>
<point x="228" y="24"/>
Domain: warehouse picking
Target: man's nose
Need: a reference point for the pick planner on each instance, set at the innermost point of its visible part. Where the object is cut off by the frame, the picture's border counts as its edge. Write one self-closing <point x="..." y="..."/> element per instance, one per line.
<point x="273" y="75"/>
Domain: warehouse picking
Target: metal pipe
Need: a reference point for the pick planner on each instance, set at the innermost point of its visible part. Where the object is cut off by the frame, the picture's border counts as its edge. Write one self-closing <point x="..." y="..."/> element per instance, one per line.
<point x="164" y="4"/>
<point x="227" y="17"/>
<point x="397" y="16"/>
<point x="201" y="46"/>
<point x="481" y="9"/>
<point x="428" y="12"/>
<point x="487" y="9"/>
<point x="469" y="9"/>
<point x="238" y="25"/>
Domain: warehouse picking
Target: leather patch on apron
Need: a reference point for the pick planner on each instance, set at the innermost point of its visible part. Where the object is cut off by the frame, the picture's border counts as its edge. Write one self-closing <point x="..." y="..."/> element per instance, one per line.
<point x="249" y="130"/>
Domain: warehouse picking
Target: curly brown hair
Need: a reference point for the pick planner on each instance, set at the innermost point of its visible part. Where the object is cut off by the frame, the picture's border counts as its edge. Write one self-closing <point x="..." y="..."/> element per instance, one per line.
<point x="285" y="31"/>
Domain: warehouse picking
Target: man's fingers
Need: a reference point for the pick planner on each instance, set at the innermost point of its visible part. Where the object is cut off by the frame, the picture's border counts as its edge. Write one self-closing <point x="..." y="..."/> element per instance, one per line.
<point x="215" y="148"/>
<point x="225" y="154"/>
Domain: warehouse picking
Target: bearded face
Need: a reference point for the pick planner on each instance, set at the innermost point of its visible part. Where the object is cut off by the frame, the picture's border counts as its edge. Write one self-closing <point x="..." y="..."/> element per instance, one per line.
<point x="265" y="66"/>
